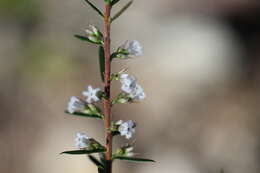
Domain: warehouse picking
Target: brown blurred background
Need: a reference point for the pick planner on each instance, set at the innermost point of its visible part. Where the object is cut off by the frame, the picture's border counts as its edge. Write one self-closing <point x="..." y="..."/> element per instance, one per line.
<point x="200" y="72"/>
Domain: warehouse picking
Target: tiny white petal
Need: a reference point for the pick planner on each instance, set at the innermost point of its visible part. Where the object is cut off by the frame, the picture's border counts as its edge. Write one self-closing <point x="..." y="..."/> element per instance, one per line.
<point x="93" y="28"/>
<point x="88" y="32"/>
<point x="130" y="154"/>
<point x="75" y="105"/>
<point x="129" y="149"/>
<point x="82" y="141"/>
<point x="135" y="48"/>
<point x="119" y="122"/>
<point x="128" y="135"/>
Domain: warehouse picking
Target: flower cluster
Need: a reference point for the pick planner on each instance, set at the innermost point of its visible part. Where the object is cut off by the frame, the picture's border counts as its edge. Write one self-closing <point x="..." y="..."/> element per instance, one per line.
<point x="77" y="105"/>
<point x="131" y="87"/>
<point x="88" y="107"/>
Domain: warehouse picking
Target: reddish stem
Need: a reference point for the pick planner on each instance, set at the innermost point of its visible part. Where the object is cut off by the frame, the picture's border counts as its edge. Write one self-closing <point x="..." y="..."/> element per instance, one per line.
<point x="107" y="105"/>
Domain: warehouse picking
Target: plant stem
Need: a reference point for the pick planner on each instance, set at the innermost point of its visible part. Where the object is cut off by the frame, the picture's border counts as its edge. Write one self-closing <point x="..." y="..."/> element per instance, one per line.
<point x="107" y="105"/>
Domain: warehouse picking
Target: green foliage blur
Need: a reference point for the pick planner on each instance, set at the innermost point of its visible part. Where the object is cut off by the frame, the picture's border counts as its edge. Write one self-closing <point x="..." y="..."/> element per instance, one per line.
<point x="23" y="10"/>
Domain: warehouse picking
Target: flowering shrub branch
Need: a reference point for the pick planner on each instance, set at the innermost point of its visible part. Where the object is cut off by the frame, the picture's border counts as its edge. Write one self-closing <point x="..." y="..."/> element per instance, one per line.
<point x="87" y="107"/>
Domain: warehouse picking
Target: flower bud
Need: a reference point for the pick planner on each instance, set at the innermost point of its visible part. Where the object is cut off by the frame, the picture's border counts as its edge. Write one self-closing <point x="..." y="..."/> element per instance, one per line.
<point x="125" y="150"/>
<point x="94" y="34"/>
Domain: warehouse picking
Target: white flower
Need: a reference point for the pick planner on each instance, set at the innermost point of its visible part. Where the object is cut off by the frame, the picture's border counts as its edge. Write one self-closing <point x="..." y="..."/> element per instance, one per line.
<point x="91" y="94"/>
<point x="75" y="105"/>
<point x="82" y="141"/>
<point x="130" y="86"/>
<point x="128" y="82"/>
<point x="127" y="129"/>
<point x="133" y="48"/>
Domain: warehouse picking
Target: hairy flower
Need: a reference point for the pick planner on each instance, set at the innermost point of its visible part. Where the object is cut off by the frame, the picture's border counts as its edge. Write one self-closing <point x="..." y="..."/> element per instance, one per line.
<point x="133" y="48"/>
<point x="130" y="86"/>
<point x="75" y="105"/>
<point x="128" y="82"/>
<point x="91" y="94"/>
<point x="127" y="129"/>
<point x="82" y="141"/>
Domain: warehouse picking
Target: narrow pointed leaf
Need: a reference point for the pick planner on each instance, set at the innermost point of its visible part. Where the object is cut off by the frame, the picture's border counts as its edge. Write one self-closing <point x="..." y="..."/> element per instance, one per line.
<point x="133" y="159"/>
<point x="114" y="2"/>
<point x="80" y="152"/>
<point x="85" y="115"/>
<point x="95" y="8"/>
<point x="119" y="13"/>
<point x="96" y="161"/>
<point x="83" y="38"/>
<point x="102" y="62"/>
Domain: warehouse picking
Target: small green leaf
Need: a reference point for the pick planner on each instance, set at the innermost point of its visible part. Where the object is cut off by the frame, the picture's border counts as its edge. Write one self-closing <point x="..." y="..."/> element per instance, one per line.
<point x="83" y="38"/>
<point x="95" y="8"/>
<point x="85" y="115"/>
<point x="96" y="161"/>
<point x="80" y="152"/>
<point x="133" y="159"/>
<point x="114" y="2"/>
<point x="121" y="11"/>
<point x="102" y="61"/>
<point x="107" y="1"/>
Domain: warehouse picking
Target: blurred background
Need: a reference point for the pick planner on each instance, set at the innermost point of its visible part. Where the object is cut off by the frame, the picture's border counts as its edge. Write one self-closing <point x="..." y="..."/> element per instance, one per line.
<point x="200" y="71"/>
